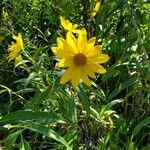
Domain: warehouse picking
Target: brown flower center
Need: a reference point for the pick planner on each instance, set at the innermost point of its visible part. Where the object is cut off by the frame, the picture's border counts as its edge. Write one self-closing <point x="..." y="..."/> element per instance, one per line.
<point x="80" y="59"/>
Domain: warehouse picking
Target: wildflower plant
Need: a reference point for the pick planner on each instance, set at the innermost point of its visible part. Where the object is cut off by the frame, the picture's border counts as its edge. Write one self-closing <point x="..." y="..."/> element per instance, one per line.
<point x="74" y="42"/>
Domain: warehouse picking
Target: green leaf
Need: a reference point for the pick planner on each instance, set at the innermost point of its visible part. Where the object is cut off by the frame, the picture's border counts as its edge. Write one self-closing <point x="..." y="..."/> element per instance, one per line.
<point x="71" y="136"/>
<point x="31" y="77"/>
<point x="84" y="99"/>
<point x="130" y="145"/>
<point x="114" y="102"/>
<point x="71" y="110"/>
<point x="24" y="145"/>
<point x="29" y="115"/>
<point x="11" y="139"/>
<point x="121" y="87"/>
<point x="41" y="96"/>
<point x="39" y="128"/>
<point x="112" y="72"/>
<point x="142" y="124"/>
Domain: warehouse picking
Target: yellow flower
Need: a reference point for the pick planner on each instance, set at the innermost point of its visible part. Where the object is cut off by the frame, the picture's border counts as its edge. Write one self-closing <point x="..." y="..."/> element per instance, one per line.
<point x="15" y="48"/>
<point x="81" y="57"/>
<point x="96" y="8"/>
<point x="67" y="25"/>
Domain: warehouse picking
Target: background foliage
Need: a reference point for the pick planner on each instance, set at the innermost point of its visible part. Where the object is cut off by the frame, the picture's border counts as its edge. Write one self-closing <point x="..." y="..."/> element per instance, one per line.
<point x="38" y="113"/>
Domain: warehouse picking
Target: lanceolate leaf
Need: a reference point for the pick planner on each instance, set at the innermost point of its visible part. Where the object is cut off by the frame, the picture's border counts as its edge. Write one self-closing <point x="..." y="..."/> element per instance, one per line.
<point x="10" y="140"/>
<point x="29" y="115"/>
<point x="84" y="99"/>
<point x="142" y="124"/>
<point x="24" y="145"/>
<point x="121" y="87"/>
<point x="39" y="128"/>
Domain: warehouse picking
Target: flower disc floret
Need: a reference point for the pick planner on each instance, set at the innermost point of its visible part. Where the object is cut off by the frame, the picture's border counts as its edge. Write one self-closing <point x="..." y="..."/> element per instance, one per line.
<point x="80" y="59"/>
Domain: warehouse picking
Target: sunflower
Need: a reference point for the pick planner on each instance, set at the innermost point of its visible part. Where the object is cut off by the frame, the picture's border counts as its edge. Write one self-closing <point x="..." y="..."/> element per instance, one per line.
<point x="81" y="58"/>
<point x="67" y="25"/>
<point x="15" y="48"/>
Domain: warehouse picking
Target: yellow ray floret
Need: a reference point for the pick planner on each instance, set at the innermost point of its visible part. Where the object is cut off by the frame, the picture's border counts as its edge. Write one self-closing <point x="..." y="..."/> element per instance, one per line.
<point x="15" y="48"/>
<point x="96" y="8"/>
<point x="67" y="25"/>
<point x="81" y="58"/>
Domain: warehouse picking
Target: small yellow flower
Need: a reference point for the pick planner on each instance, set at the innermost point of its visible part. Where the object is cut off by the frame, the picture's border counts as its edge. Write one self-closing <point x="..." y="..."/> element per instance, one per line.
<point x="96" y="8"/>
<point x="67" y="25"/>
<point x="15" y="48"/>
<point x="81" y="57"/>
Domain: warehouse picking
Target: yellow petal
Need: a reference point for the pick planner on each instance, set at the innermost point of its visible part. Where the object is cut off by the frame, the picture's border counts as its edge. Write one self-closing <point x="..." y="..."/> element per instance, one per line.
<point x="102" y="58"/>
<point x="96" y="8"/>
<point x="61" y="63"/>
<point x="63" y="50"/>
<point x="65" y="62"/>
<point x="72" y="41"/>
<point x="59" y="52"/>
<point x="100" y="69"/>
<point x="94" y="51"/>
<point x="89" y="71"/>
<point x="82" y="40"/>
<point x="75" y="76"/>
<point x="66" y="76"/>
<point x="68" y="25"/>
<point x="85" y="78"/>
<point x="76" y="31"/>
<point x="12" y="56"/>
<point x="65" y="23"/>
<point x="90" y="44"/>
<point x="94" y="68"/>
<point x="19" y="42"/>
<point x="74" y="26"/>
<point x="60" y="42"/>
